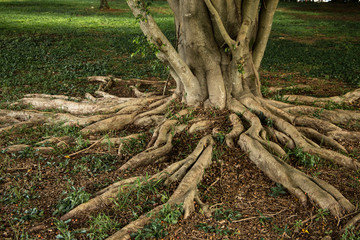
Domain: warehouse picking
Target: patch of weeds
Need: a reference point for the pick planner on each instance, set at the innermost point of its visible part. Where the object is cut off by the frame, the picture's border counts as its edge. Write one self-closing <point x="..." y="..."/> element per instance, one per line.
<point x="330" y="105"/>
<point x="355" y="181"/>
<point x="157" y="228"/>
<point x="19" y="231"/>
<point x="304" y="158"/>
<point x="96" y="163"/>
<point x="28" y="215"/>
<point x="134" y="146"/>
<point x="141" y="194"/>
<point x="277" y="190"/>
<point x="282" y="231"/>
<point x="72" y="199"/>
<point x="17" y="194"/>
<point x="81" y="143"/>
<point x="28" y="152"/>
<point x="350" y="234"/>
<point x="228" y="214"/>
<point x="64" y="232"/>
<point x="101" y="226"/>
<point x="214" y="229"/>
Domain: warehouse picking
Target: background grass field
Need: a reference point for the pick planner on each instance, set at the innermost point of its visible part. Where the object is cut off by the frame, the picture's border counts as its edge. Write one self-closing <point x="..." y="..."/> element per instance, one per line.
<point x="51" y="46"/>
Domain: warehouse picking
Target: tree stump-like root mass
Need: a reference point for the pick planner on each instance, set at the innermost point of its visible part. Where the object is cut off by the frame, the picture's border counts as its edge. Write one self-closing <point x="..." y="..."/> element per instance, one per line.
<point x="260" y="127"/>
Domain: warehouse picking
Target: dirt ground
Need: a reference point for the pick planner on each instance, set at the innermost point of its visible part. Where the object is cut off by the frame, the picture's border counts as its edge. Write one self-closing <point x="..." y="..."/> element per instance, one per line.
<point x="248" y="203"/>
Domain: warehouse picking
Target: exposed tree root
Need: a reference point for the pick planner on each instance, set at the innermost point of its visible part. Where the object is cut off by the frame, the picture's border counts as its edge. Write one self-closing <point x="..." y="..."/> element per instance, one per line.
<point x="262" y="128"/>
<point x="348" y="98"/>
<point x="277" y="89"/>
<point x="189" y="171"/>
<point x="352" y="223"/>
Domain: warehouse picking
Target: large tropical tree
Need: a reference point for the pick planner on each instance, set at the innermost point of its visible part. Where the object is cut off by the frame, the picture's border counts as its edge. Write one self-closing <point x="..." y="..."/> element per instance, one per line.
<point x="220" y="45"/>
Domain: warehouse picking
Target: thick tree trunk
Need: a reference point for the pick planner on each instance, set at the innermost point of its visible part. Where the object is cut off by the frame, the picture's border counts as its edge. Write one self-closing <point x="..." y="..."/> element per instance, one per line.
<point x="222" y="42"/>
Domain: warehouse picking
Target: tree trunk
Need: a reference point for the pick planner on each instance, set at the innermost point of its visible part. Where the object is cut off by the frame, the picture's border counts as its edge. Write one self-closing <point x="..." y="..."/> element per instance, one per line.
<point x="104" y="4"/>
<point x="221" y="44"/>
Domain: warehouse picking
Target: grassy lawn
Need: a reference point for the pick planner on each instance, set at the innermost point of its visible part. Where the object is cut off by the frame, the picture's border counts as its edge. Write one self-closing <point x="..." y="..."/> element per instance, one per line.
<point x="52" y="46"/>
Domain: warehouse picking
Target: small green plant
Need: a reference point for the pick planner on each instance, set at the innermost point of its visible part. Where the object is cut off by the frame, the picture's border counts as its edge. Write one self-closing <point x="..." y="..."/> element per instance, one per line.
<point x="304" y="158"/>
<point x="81" y="143"/>
<point x="17" y="194"/>
<point x="101" y="226"/>
<point x="265" y="120"/>
<point x="277" y="190"/>
<point x="157" y="228"/>
<point x="72" y="199"/>
<point x="28" y="215"/>
<point x="280" y="97"/>
<point x="228" y="214"/>
<point x="298" y="225"/>
<point x="350" y="234"/>
<point x="321" y="213"/>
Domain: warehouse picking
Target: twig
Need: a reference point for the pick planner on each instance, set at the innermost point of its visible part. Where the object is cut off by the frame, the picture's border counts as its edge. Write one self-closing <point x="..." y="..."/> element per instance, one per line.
<point x="265" y="215"/>
<point x="61" y="141"/>
<point x="208" y="188"/>
<point x="92" y="145"/>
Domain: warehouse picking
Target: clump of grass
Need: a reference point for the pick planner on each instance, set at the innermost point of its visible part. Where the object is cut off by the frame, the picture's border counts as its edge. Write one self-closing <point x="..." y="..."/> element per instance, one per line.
<point x="134" y="145"/>
<point x="72" y="199"/>
<point x="142" y="194"/>
<point x="95" y="163"/>
<point x="157" y="228"/>
<point x="101" y="226"/>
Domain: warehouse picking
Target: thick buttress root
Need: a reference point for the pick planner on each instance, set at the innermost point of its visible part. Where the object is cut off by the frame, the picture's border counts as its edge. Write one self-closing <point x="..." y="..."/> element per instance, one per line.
<point x="262" y="128"/>
<point x="256" y="142"/>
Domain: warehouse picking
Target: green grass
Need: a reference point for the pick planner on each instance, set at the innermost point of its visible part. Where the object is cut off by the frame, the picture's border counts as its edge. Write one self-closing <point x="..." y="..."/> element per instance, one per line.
<point x="52" y="46"/>
<point x="326" y="46"/>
